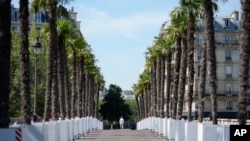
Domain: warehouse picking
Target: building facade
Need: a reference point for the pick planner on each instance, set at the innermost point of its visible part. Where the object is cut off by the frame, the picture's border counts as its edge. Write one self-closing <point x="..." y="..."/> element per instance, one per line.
<point x="226" y="31"/>
<point x="39" y="18"/>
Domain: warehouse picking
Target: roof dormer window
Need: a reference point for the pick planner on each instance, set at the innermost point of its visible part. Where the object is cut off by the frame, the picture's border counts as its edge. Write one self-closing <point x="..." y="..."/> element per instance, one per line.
<point x="227" y="23"/>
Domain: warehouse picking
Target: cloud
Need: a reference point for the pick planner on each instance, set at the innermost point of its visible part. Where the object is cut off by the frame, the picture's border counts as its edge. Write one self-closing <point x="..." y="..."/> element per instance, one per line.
<point x="99" y="23"/>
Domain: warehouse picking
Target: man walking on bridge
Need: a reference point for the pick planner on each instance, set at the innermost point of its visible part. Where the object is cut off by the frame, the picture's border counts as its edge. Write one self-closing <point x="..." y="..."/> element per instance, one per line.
<point x="121" y="121"/>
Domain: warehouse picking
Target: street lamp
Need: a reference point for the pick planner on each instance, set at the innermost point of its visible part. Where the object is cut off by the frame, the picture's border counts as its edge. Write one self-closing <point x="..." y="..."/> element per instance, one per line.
<point x="37" y="46"/>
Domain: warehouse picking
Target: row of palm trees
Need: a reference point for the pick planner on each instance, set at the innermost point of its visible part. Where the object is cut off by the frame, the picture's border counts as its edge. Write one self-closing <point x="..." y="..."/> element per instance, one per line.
<point x="73" y="80"/>
<point x="161" y="91"/>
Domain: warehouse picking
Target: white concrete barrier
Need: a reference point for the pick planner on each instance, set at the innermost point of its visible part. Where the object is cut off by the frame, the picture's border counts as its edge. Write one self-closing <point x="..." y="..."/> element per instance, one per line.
<point x="191" y="130"/>
<point x="11" y="134"/>
<point x="223" y="132"/>
<point x="53" y="131"/>
<point x="171" y="129"/>
<point x="180" y="130"/>
<point x="207" y="132"/>
<point x="61" y="130"/>
<point x="165" y="127"/>
<point x="160" y="130"/>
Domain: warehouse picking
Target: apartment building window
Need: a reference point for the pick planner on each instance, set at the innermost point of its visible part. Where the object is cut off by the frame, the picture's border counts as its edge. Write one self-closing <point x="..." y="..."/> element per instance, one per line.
<point x="229" y="105"/>
<point x="228" y="55"/>
<point x="199" y="53"/>
<point x="229" y="89"/>
<point x="227" y="23"/>
<point x="198" y="70"/>
<point x="14" y="16"/>
<point x="15" y="28"/>
<point x="38" y="17"/>
<point x="199" y="38"/>
<point x="227" y="38"/>
<point x="228" y="71"/>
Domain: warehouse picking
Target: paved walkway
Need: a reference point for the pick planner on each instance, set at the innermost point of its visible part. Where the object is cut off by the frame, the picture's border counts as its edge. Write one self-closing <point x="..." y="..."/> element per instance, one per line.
<point x="121" y="135"/>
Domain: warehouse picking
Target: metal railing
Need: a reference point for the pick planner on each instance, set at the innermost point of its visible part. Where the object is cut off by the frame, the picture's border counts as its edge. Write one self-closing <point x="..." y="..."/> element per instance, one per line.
<point x="220" y="42"/>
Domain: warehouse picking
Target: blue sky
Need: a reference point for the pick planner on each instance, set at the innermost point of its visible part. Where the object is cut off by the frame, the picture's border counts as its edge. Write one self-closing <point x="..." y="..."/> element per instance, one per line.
<point x="119" y="32"/>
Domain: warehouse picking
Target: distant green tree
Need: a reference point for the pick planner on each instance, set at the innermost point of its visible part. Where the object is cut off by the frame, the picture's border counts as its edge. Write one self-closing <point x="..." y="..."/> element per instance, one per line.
<point x="134" y="113"/>
<point x="114" y="106"/>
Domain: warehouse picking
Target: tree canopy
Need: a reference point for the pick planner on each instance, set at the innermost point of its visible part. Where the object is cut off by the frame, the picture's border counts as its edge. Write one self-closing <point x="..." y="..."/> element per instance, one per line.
<point x="114" y="106"/>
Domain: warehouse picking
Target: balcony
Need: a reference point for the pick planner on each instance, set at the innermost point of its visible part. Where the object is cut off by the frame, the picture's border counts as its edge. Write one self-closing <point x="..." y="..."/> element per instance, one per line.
<point x="226" y="42"/>
<point x="221" y="93"/>
<point x="228" y="76"/>
<point x="228" y="58"/>
<point x="219" y="42"/>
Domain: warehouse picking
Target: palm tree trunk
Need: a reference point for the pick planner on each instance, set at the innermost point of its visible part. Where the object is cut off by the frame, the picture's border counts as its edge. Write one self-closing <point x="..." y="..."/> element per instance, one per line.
<point x="84" y="95"/>
<point x="66" y="86"/>
<point x="73" y="87"/>
<point x="148" y="100"/>
<point x="202" y="82"/>
<point x="162" y="80"/>
<point x="80" y="87"/>
<point x="244" y="59"/>
<point x="158" y="80"/>
<point x="182" y="77"/>
<point x="97" y="100"/>
<point x="168" y="82"/>
<point x="190" y="62"/>
<point x="176" y="76"/>
<point x="61" y="92"/>
<point x="138" y="107"/>
<point x="24" y="61"/>
<point x="92" y="95"/>
<point x="52" y="45"/>
<point x="153" y="75"/>
<point x="211" y="57"/>
<point x="5" y="47"/>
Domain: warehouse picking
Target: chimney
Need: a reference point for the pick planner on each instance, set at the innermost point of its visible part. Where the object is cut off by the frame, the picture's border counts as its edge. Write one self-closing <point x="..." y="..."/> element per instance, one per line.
<point x="235" y="15"/>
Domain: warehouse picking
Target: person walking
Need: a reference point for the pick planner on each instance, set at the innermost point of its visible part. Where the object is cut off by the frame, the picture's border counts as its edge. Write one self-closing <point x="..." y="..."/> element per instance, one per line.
<point x="121" y="121"/>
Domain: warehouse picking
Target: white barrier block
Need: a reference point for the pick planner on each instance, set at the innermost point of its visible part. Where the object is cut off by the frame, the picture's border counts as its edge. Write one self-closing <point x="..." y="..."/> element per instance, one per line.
<point x="34" y="132"/>
<point x="171" y="129"/>
<point x="52" y="131"/>
<point x="63" y="129"/>
<point x="70" y="127"/>
<point x="9" y="134"/>
<point x="207" y="132"/>
<point x="164" y="127"/>
<point x="180" y="130"/>
<point x="160" y="130"/>
<point x="191" y="130"/>
<point x="223" y="133"/>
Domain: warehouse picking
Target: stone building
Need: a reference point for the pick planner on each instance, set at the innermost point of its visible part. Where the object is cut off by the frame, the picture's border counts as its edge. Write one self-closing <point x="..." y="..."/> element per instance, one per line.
<point x="227" y="58"/>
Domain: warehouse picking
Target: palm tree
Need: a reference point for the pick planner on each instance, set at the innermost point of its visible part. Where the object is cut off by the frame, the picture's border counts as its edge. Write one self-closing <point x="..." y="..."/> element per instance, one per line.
<point x="191" y="10"/>
<point x="176" y="30"/>
<point x="203" y="69"/>
<point x="5" y="47"/>
<point x="137" y="94"/>
<point x="140" y="90"/>
<point x="153" y="62"/>
<point x="244" y="60"/>
<point x="211" y="57"/>
<point x="166" y="42"/>
<point x="202" y="82"/>
<point x="51" y="81"/>
<point x="64" y="28"/>
<point x="75" y="44"/>
<point x="99" y="80"/>
<point x="24" y="61"/>
<point x="182" y="77"/>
